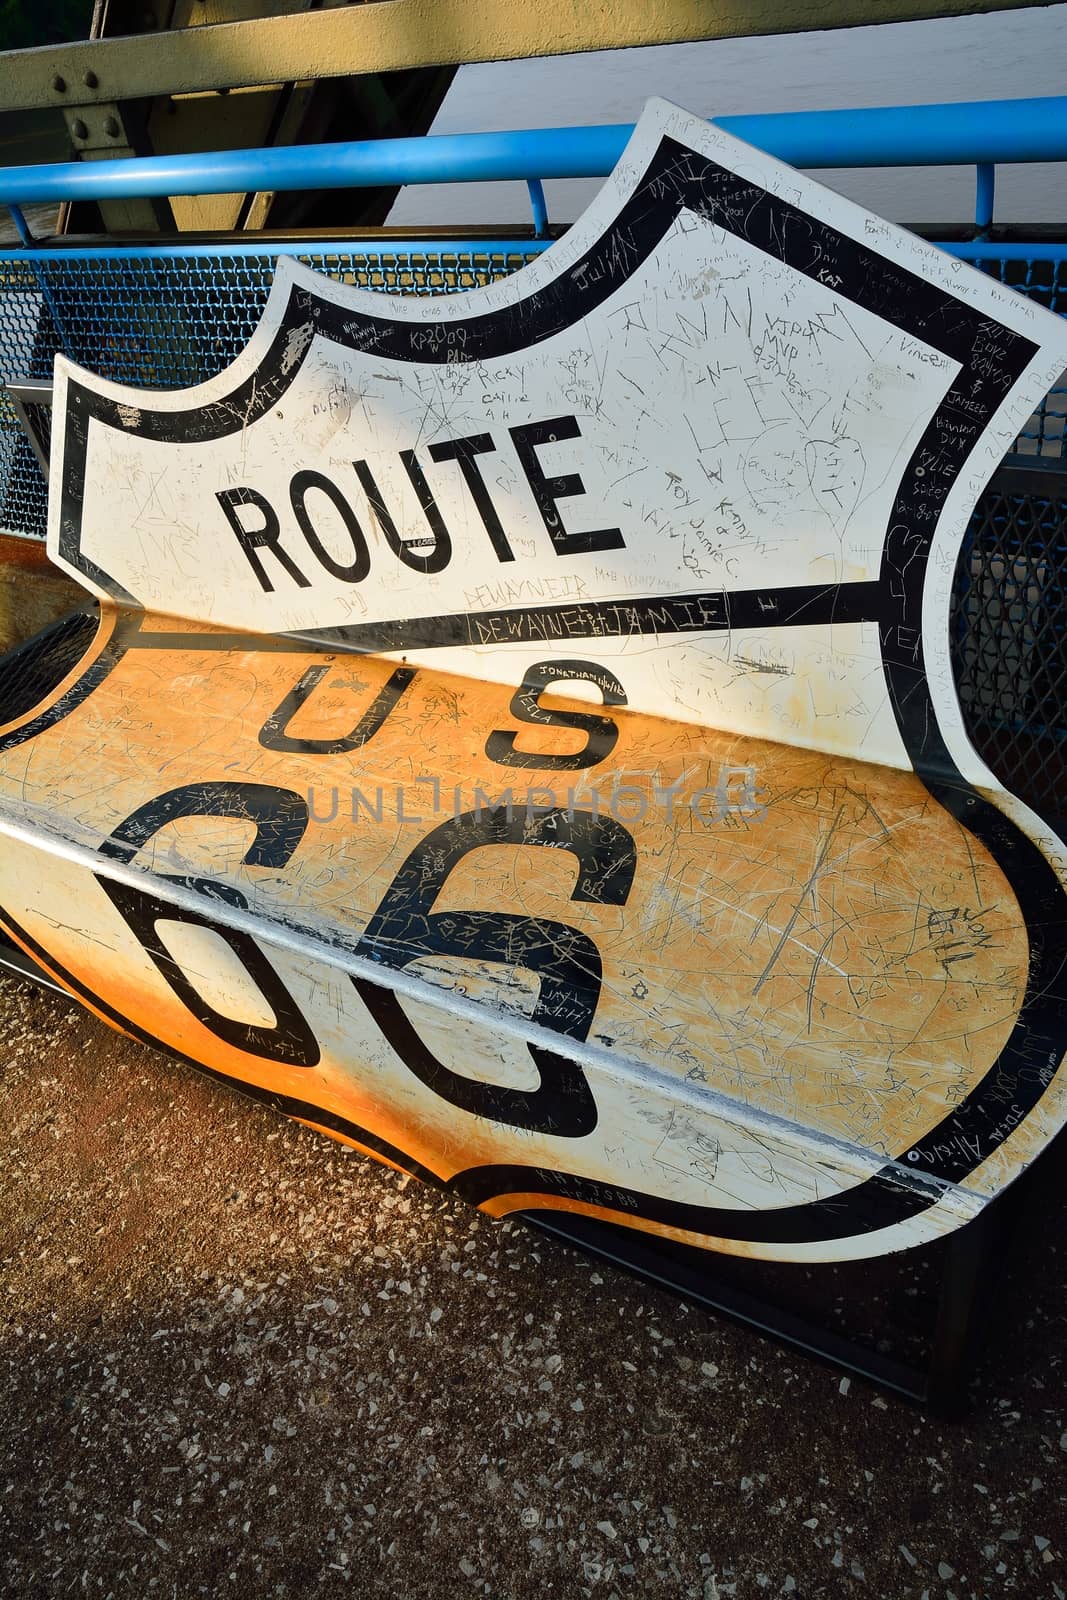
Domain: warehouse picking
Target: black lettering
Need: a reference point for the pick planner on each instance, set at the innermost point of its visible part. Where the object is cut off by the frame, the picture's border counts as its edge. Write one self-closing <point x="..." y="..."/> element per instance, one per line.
<point x="405" y="928"/>
<point x="602" y="732"/>
<point x="272" y="735"/>
<point x="358" y="568"/>
<point x="463" y="452"/>
<point x="405" y="549"/>
<point x="252" y="540"/>
<point x="280" y="818"/>
<point x="547" y="491"/>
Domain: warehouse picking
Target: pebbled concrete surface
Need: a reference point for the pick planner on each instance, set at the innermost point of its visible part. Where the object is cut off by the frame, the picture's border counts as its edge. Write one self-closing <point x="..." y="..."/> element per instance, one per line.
<point x="236" y="1359"/>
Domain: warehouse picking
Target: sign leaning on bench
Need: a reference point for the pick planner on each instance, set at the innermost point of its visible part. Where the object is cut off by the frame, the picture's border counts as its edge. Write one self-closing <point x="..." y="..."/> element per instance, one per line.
<point x="519" y="736"/>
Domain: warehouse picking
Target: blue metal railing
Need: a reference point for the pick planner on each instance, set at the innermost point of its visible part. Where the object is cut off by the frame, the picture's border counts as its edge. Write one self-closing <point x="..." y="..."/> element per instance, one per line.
<point x="981" y="133"/>
<point x="178" y="249"/>
<point x="255" y="244"/>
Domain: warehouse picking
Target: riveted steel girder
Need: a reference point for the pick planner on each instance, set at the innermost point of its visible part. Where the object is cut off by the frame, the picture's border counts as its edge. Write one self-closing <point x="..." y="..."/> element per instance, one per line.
<point x="388" y="35"/>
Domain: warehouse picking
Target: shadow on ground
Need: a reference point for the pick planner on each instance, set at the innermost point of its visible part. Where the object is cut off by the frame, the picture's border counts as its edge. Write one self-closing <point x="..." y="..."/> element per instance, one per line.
<point x="238" y="1359"/>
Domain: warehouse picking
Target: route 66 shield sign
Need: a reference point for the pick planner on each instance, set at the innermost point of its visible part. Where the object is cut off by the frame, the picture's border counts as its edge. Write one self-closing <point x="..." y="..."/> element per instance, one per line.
<point x="519" y="736"/>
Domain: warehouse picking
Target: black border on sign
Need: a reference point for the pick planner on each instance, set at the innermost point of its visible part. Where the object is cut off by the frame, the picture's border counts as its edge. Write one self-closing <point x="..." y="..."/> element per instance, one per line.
<point x="890" y="1196"/>
<point x="991" y="358"/>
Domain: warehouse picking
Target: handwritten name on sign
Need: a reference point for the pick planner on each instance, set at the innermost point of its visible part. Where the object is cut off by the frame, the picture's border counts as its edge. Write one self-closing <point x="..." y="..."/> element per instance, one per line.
<point x="520" y="736"/>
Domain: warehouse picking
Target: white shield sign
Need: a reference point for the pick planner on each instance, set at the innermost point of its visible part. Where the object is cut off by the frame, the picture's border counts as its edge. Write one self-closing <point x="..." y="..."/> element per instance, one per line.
<point x="754" y="950"/>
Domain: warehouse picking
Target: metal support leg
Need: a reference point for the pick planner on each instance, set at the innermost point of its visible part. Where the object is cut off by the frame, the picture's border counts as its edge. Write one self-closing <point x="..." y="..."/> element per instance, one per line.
<point x="966" y="1268"/>
<point x="939" y="1384"/>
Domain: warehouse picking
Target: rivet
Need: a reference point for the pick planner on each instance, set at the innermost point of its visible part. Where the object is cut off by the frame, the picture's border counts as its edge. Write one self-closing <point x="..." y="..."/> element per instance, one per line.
<point x="59" y="84"/>
<point x="79" y="130"/>
<point x="111" y="127"/>
<point x="91" y="80"/>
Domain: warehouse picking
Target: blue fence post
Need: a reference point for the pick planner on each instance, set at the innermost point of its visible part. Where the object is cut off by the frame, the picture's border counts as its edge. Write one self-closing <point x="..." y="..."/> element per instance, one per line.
<point x="22" y="227"/>
<point x="984" y="195"/>
<point x="539" y="207"/>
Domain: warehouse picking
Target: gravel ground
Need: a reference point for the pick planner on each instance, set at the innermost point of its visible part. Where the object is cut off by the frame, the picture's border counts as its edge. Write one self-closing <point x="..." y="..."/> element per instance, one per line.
<point x="237" y="1359"/>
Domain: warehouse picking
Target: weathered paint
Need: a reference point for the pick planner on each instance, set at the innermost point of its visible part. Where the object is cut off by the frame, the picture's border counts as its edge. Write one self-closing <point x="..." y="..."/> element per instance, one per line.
<point x="581" y="818"/>
<point x="780" y="990"/>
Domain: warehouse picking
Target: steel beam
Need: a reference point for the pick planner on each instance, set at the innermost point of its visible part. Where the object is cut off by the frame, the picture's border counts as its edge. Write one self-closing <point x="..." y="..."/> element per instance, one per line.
<point x="387" y="35"/>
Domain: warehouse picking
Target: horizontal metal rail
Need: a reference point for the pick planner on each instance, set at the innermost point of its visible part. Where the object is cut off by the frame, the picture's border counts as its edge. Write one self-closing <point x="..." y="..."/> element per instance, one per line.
<point x="974" y="133"/>
<point x="259" y="246"/>
<point x="986" y="250"/>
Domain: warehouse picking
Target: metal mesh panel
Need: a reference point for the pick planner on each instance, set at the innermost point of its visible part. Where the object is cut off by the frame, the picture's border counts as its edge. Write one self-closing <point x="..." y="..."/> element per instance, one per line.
<point x="164" y="321"/>
<point x="1045" y="281"/>
<point x="23" y="490"/>
<point x="1009" y="633"/>
<point x="167" y="321"/>
<point x="39" y="421"/>
<point x="33" y="670"/>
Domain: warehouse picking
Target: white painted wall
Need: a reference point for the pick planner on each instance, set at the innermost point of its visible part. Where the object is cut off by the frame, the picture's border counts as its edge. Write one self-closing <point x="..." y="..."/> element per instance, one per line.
<point x="1004" y="55"/>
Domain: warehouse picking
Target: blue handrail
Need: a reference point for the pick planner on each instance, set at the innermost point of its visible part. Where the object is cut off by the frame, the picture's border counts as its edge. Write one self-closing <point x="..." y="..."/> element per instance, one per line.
<point x="255" y="245"/>
<point x="972" y="133"/>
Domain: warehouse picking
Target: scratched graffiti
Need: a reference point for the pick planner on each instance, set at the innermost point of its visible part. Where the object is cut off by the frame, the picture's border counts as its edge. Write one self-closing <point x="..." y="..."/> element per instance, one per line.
<point x="518" y="737"/>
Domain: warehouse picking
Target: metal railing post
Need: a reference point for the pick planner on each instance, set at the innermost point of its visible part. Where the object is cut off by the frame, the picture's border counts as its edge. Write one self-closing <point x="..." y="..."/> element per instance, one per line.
<point x="539" y="207"/>
<point x="984" y="195"/>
